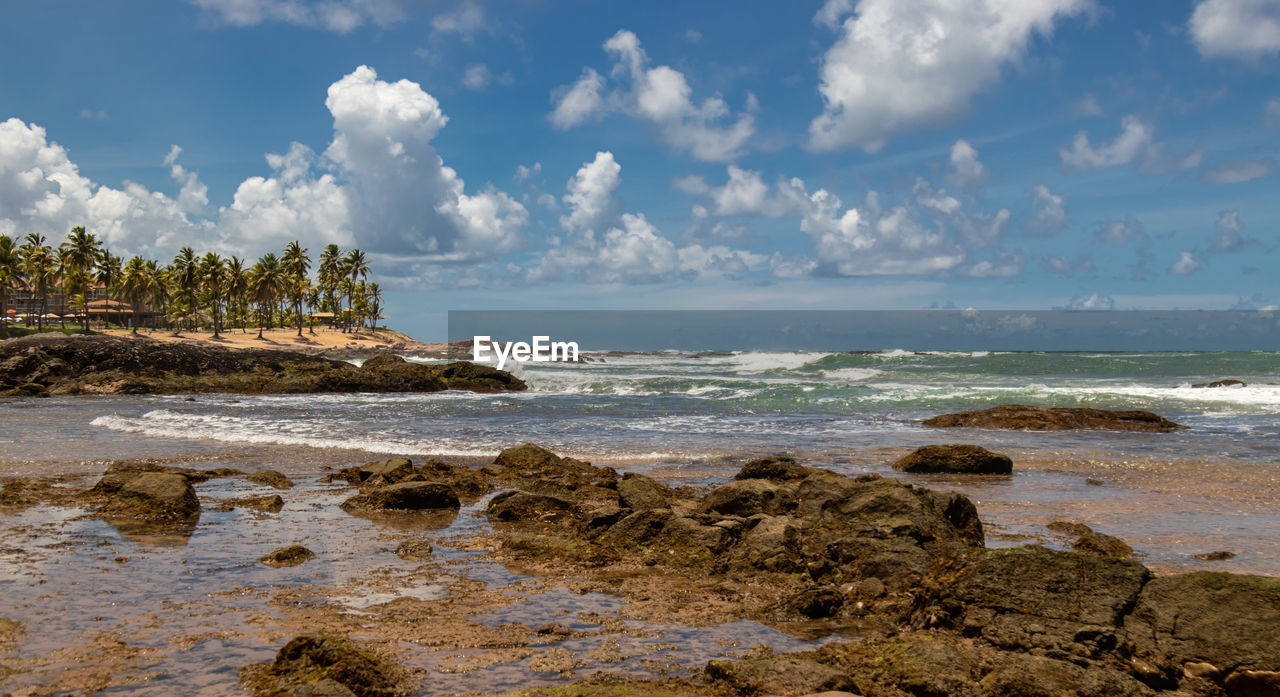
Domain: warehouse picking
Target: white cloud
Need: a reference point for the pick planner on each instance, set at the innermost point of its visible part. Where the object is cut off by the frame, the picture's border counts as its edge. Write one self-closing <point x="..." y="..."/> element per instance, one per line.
<point x="872" y="241"/>
<point x="341" y="16"/>
<point x="967" y="171"/>
<point x="1239" y="171"/>
<point x="1271" y="111"/>
<point x="661" y="96"/>
<point x="904" y="65"/>
<point x="1120" y="231"/>
<point x="745" y="193"/>
<point x="94" y="114"/>
<point x="578" y="103"/>
<point x="691" y="184"/>
<point x="1228" y="234"/>
<point x="832" y="13"/>
<point x="466" y="20"/>
<point x="1006" y="265"/>
<point x="1185" y="265"/>
<point x="693" y="36"/>
<point x="477" y="77"/>
<point x="1094" y="301"/>
<point x="380" y="185"/>
<point x="1088" y="106"/>
<point x="1050" y="211"/>
<point x="1241" y="29"/>
<point x="1060" y="264"/>
<point x="523" y="173"/>
<point x="1134" y="144"/>
<point x="590" y="196"/>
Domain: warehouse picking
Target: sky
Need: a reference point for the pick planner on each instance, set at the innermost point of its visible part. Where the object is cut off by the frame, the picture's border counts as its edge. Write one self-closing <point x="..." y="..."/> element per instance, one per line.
<point x="528" y="154"/>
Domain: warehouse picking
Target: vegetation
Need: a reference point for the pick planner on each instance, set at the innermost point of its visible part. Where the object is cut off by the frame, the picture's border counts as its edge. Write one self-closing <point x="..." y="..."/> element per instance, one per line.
<point x="192" y="291"/>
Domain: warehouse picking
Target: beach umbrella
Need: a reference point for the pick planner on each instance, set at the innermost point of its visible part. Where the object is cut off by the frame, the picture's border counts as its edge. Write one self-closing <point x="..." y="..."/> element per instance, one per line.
<point x="11" y="311"/>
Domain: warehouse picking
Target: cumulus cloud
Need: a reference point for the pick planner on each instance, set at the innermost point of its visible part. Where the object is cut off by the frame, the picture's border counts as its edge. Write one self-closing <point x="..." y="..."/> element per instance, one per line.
<point x="1064" y="266"/>
<point x="1093" y="301"/>
<point x="899" y="66"/>
<point x="380" y="185"/>
<point x="1050" y="211"/>
<point x="466" y="20"/>
<point x="1228" y="234"/>
<point x="341" y="16"/>
<point x="1240" y="29"/>
<point x="1004" y="265"/>
<point x="746" y="193"/>
<point x="691" y="184"/>
<point x="476" y="77"/>
<point x="874" y="241"/>
<point x="1134" y="144"/>
<point x="1185" y="265"/>
<point x="1120" y="231"/>
<point x="604" y="244"/>
<point x="1239" y="171"/>
<point x="967" y="171"/>
<point x="660" y="96"/>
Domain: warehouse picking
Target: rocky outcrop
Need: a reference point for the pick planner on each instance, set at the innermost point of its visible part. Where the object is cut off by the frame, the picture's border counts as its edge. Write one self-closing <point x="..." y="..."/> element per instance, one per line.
<point x="271" y="503"/>
<point x="405" y="496"/>
<point x="1019" y="417"/>
<point x="270" y="478"/>
<point x="155" y="497"/>
<point x="317" y="664"/>
<point x="1222" y="383"/>
<point x="60" y="364"/>
<point x="954" y="459"/>
<point x="292" y="555"/>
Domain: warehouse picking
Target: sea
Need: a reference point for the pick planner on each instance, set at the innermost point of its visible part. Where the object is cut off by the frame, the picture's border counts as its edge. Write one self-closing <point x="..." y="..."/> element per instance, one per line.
<point x="686" y="418"/>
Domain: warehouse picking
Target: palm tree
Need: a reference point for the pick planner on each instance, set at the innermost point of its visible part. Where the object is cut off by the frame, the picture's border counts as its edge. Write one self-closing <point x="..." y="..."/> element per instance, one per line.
<point x="157" y="289"/>
<point x="356" y="267"/>
<point x="108" y="273"/>
<point x="40" y="266"/>
<point x="374" y="293"/>
<point x="10" y="269"/>
<point x="296" y="264"/>
<point x="135" y="284"/>
<point x="264" y="287"/>
<point x="331" y="269"/>
<point x="237" y="290"/>
<point x="78" y="254"/>
<point x="186" y="279"/>
<point x="213" y="276"/>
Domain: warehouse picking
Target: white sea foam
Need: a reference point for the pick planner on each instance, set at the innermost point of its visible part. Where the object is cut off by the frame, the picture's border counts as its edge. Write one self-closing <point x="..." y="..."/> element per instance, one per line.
<point x="764" y="361"/>
<point x="851" y="374"/>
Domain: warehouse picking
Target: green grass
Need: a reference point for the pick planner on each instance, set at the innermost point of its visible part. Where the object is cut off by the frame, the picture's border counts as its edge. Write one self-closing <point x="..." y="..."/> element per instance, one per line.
<point x="14" y="331"/>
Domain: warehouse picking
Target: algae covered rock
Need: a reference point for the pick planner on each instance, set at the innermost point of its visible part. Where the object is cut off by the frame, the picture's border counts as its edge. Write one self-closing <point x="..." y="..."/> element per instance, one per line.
<point x="153" y="497"/>
<point x="405" y="496"/>
<point x="292" y="555"/>
<point x="1020" y="417"/>
<point x="954" y="459"/>
<point x="310" y="662"/>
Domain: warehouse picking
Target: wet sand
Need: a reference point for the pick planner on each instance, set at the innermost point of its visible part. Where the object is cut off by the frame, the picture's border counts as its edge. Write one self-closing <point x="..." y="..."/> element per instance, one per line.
<point x="112" y="610"/>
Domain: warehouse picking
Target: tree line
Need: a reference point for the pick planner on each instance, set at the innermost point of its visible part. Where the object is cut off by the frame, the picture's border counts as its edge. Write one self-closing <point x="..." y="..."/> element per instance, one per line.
<point x="194" y="290"/>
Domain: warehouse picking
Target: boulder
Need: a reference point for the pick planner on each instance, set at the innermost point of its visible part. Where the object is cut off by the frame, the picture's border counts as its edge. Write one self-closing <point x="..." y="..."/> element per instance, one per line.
<point x="270" y="478"/>
<point x="405" y="496"/>
<point x="315" y="661"/>
<point x="747" y="497"/>
<point x="1227" y="620"/>
<point x="640" y="493"/>
<point x="775" y="674"/>
<point x="292" y="555"/>
<point x="271" y="503"/>
<point x="389" y="471"/>
<point x="1019" y="417"/>
<point x="778" y="468"/>
<point x="1038" y="676"/>
<point x="954" y="459"/>
<point x="1034" y="598"/>
<point x="512" y="506"/>
<point x="1101" y="545"/>
<point x="154" y="497"/>
<point x="528" y="458"/>
<point x="1220" y="555"/>
<point x="1066" y="527"/>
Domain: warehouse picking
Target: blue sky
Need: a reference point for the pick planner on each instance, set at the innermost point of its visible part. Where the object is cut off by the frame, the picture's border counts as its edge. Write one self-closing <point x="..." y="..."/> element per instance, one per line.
<point x="870" y="154"/>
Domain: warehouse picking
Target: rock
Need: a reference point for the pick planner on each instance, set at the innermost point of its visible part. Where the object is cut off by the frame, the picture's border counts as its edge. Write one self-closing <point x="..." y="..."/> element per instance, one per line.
<point x="1092" y="482"/>
<point x="1228" y="620"/>
<point x="954" y="459"/>
<point x="60" y="364"/>
<point x="640" y="493"/>
<point x="1101" y="545"/>
<point x="557" y="660"/>
<point x="311" y="661"/>
<point x="528" y="457"/>
<point x="1020" y="417"/>
<point x="775" y="468"/>
<point x="747" y="497"/>
<point x="267" y="504"/>
<point x="121" y="471"/>
<point x="816" y="602"/>
<point x="1253" y="683"/>
<point x="391" y="469"/>
<point x="154" y="497"/>
<point x="324" y="688"/>
<point x="1034" y="598"/>
<point x="1221" y="555"/>
<point x="553" y="629"/>
<point x="1069" y="528"/>
<point x="772" y="544"/>
<point x="774" y="674"/>
<point x="637" y="528"/>
<point x="1222" y="383"/>
<point x="414" y="550"/>
<point x="1038" y="676"/>
<point x="924" y="666"/>
<point x="384" y="360"/>
<point x="405" y="496"/>
<point x="270" y="478"/>
<point x="292" y="555"/>
<point x="510" y="506"/>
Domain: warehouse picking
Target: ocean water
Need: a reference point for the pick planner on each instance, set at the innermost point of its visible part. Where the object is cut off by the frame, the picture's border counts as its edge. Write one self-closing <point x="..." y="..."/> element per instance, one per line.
<point x="693" y="418"/>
